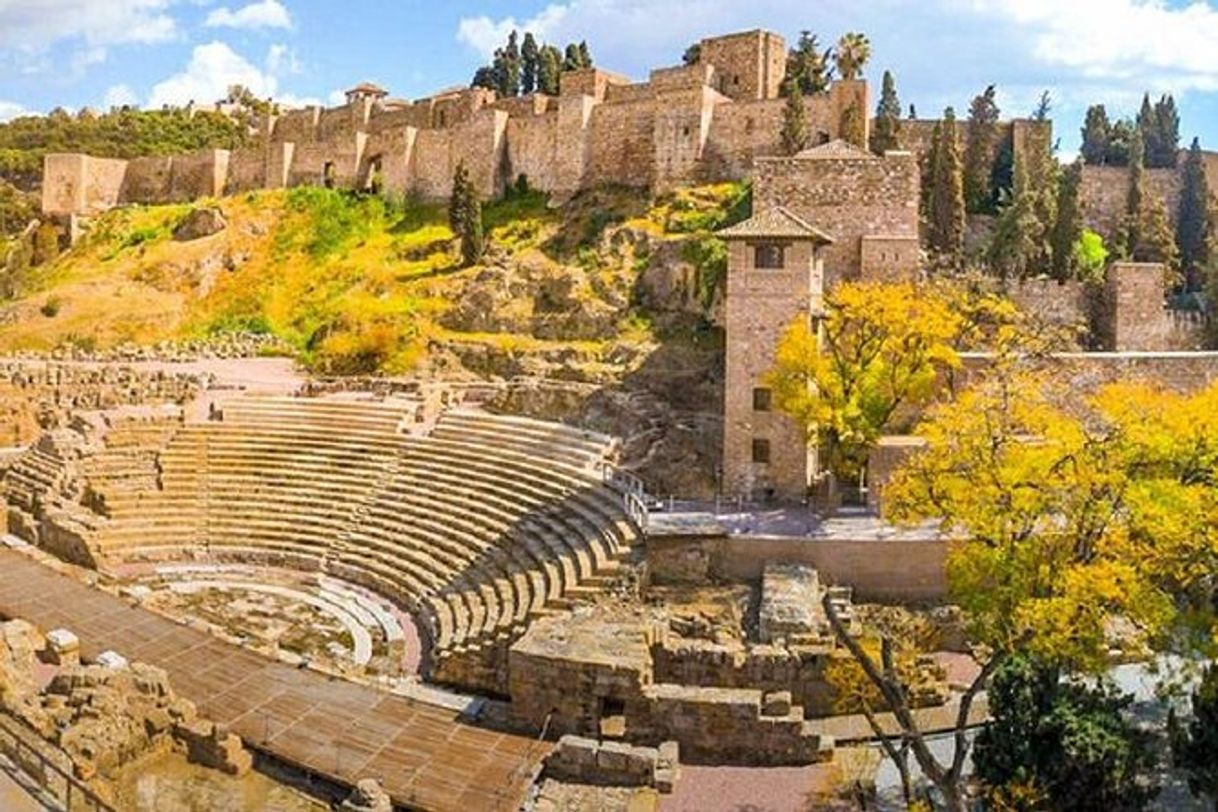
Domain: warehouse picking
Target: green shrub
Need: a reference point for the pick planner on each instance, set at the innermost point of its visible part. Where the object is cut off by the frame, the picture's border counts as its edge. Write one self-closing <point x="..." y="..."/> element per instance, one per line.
<point x="50" y="308"/>
<point x="708" y="255"/>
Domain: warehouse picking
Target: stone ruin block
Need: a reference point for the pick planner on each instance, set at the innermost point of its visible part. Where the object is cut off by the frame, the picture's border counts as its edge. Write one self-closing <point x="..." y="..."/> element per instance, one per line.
<point x="587" y="761"/>
<point x="214" y="747"/>
<point x="368" y="796"/>
<point x="63" y="648"/>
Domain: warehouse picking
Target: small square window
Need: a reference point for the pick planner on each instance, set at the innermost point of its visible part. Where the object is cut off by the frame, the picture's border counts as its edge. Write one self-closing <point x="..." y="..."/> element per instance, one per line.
<point x="769" y="256"/>
<point x="762" y="399"/>
<point x="761" y="451"/>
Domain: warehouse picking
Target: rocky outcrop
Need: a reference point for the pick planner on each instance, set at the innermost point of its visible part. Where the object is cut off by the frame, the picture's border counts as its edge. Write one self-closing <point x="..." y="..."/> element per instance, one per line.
<point x="199" y="223"/>
<point x="368" y="796"/>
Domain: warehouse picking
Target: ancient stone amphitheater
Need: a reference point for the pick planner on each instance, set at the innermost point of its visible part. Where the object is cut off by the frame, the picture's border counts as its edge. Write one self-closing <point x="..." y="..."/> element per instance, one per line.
<point x="471" y="524"/>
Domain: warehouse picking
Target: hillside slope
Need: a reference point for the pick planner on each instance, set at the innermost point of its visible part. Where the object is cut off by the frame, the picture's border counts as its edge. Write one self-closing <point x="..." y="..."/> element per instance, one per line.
<point x="613" y="295"/>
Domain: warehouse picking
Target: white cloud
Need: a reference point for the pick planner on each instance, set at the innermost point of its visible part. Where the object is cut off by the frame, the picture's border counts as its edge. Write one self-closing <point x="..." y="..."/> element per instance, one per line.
<point x="10" y="110"/>
<point x="484" y="35"/>
<point x="1120" y="42"/>
<point x="263" y="14"/>
<point x="33" y="26"/>
<point x="215" y="66"/>
<point x="119" y="96"/>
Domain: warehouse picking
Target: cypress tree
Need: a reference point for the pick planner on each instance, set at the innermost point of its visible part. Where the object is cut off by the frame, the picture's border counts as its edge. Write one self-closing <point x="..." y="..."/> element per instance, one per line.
<point x="692" y="55"/>
<point x="511" y="66"/>
<point x="1192" y="226"/>
<point x="945" y="205"/>
<point x="1014" y="243"/>
<point x="1167" y="125"/>
<point x="1156" y="239"/>
<point x="529" y="63"/>
<point x="465" y="216"/>
<point x="585" y="55"/>
<point x="1130" y="237"/>
<point x="1068" y="227"/>
<point x="795" y="135"/>
<point x="1148" y="127"/>
<point x="572" y="61"/>
<point x="886" y="130"/>
<point x="913" y="113"/>
<point x="485" y="77"/>
<point x="1097" y="132"/>
<point x="457" y="213"/>
<point x="979" y="152"/>
<point x="852" y="126"/>
<point x="549" y="69"/>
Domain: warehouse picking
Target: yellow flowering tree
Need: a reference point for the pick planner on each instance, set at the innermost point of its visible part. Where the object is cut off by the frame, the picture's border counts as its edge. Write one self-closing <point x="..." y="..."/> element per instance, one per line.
<point x="1066" y="515"/>
<point x="880" y="347"/>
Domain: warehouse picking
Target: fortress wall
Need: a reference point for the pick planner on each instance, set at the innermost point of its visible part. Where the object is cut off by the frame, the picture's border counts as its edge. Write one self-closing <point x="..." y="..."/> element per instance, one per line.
<point x="199" y="174"/>
<point x="846" y="198"/>
<point x="396" y="118"/>
<point x="574" y="114"/>
<point x="337" y="123"/>
<point x="532" y="144"/>
<point x="1105" y="190"/>
<point x="80" y="184"/>
<point x="431" y="167"/>
<point x="297" y="126"/>
<point x="593" y="82"/>
<point x="620" y="149"/>
<point x="395" y="149"/>
<point x="246" y="170"/>
<point x="628" y="94"/>
<point x="741" y="132"/>
<point x="1064" y="305"/>
<point x="679" y="134"/>
<point x="148" y="180"/>
<point x="535" y="104"/>
<point x="682" y="77"/>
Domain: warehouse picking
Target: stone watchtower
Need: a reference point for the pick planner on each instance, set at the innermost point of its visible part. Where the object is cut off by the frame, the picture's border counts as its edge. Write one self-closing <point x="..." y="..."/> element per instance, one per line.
<point x="775" y="275"/>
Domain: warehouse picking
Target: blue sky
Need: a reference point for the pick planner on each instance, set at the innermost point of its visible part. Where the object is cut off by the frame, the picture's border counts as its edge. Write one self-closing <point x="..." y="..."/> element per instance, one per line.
<point x="73" y="53"/>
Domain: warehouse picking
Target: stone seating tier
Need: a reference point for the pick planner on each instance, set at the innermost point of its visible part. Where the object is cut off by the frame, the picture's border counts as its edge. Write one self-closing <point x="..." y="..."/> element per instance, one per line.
<point x="479" y="527"/>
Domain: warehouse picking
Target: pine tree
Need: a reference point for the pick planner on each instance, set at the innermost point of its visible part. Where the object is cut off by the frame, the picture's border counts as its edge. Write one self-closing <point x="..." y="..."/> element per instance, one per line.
<point x="1097" y="132"/>
<point x="1192" y="228"/>
<point x="1068" y="227"/>
<point x="886" y="129"/>
<point x="530" y="56"/>
<point x="1120" y="142"/>
<point x="945" y="205"/>
<point x="549" y="69"/>
<point x="795" y="135"/>
<point x="979" y="152"/>
<point x="1044" y="106"/>
<point x="808" y="65"/>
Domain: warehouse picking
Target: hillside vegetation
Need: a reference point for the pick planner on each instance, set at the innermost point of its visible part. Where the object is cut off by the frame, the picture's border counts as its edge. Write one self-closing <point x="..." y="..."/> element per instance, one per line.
<point x="358" y="284"/>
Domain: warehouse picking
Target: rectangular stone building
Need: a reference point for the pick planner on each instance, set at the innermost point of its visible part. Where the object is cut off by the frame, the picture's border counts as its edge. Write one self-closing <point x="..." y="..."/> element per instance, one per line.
<point x="775" y="276"/>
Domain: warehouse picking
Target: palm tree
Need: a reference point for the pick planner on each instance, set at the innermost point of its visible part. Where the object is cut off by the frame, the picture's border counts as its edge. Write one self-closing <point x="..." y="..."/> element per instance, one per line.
<point x="853" y="53"/>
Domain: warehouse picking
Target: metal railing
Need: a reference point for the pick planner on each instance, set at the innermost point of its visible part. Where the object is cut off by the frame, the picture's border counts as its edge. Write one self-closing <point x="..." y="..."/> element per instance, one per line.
<point x="60" y="784"/>
<point x="632" y="490"/>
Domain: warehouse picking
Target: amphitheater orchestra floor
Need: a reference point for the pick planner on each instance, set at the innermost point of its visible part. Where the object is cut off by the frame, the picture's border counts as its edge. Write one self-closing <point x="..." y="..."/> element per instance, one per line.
<point x="425" y="757"/>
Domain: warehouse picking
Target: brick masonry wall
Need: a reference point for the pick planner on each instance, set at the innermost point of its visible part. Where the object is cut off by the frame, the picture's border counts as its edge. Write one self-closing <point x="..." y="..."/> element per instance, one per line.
<point x="760" y="307"/>
<point x="1105" y="190"/>
<point x="847" y="198"/>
